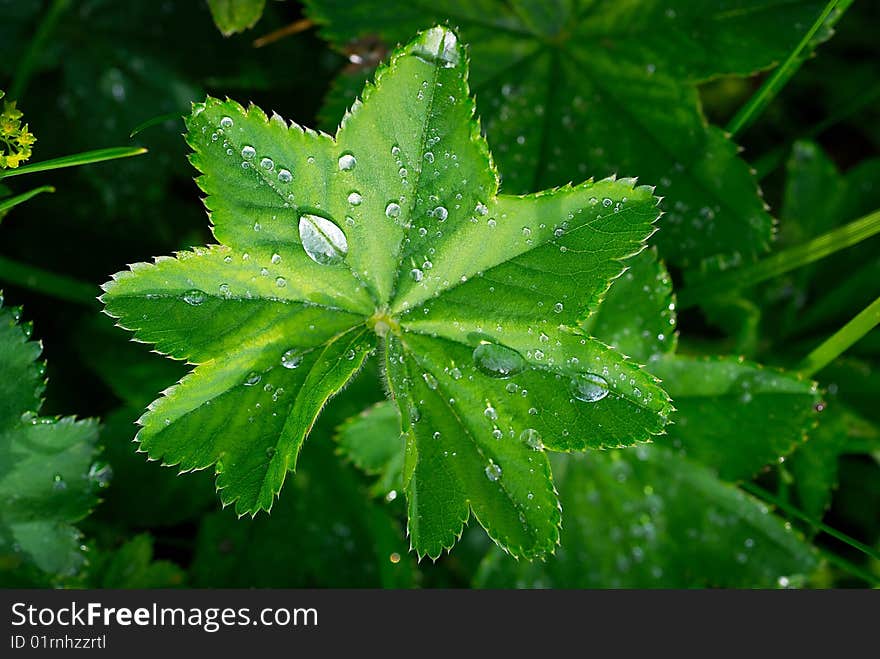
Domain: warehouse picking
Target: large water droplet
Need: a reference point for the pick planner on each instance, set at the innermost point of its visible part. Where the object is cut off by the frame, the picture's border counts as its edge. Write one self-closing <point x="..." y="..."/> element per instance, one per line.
<point x="195" y="297"/>
<point x="531" y="438"/>
<point x="284" y="175"/>
<point x="355" y="198"/>
<point x="292" y="358"/>
<point x="268" y="164"/>
<point x="493" y="471"/>
<point x="589" y="387"/>
<point x="248" y="152"/>
<point x="439" y="45"/>
<point x="226" y="122"/>
<point x="392" y="210"/>
<point x="441" y="213"/>
<point x="323" y="241"/>
<point x="498" y="361"/>
<point x="347" y="162"/>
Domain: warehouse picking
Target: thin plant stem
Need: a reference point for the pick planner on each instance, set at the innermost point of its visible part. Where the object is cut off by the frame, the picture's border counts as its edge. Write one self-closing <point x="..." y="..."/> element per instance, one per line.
<point x="48" y="283"/>
<point x="841" y="340"/>
<point x="786" y="260"/>
<point x="6" y="204"/>
<point x="788" y="509"/>
<point x="784" y="72"/>
<point x="36" y="47"/>
<point x="850" y="567"/>
<point x="85" y="158"/>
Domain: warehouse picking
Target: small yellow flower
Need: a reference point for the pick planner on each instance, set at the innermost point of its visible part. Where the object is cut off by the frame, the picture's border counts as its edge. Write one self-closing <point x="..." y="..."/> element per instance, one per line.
<point x="15" y="140"/>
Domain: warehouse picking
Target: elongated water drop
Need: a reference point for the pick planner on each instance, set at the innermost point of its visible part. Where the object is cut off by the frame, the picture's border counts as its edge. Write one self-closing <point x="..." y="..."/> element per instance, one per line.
<point x="589" y="387"/>
<point x="323" y="241"/>
<point x="195" y="297"/>
<point x="493" y="471"/>
<point x="498" y="361"/>
<point x="291" y="359"/>
<point x="531" y="438"/>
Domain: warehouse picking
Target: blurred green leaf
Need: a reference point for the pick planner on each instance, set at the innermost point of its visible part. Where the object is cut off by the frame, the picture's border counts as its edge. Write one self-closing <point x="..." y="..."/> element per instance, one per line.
<point x="233" y="16"/>
<point x="48" y="473"/>
<point x="372" y="441"/>
<point x="131" y="566"/>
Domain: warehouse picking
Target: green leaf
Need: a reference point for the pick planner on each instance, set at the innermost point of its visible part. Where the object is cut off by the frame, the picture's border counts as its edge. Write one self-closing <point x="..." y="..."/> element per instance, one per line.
<point x="48" y="477"/>
<point x="736" y="416"/>
<point x="326" y="532"/>
<point x="6" y="204"/>
<point x="233" y="16"/>
<point x="647" y="518"/>
<point x="566" y="90"/>
<point x="75" y="160"/>
<point x="331" y="245"/>
<point x="131" y="566"/>
<point x="372" y="441"/>
<point x="815" y="464"/>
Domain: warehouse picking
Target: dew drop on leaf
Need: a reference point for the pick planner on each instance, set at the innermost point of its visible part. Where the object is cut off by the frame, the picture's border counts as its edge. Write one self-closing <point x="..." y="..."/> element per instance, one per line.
<point x="531" y="438"/>
<point x="292" y="358"/>
<point x="392" y="210"/>
<point x="493" y="471"/>
<point x="248" y="152"/>
<point x="322" y="240"/>
<point x="268" y="164"/>
<point x="347" y="162"/>
<point x="284" y="175"/>
<point x="498" y="361"/>
<point x="252" y="379"/>
<point x="226" y="122"/>
<point x="441" y="213"/>
<point x="589" y="387"/>
<point x="355" y="198"/>
<point x="194" y="297"/>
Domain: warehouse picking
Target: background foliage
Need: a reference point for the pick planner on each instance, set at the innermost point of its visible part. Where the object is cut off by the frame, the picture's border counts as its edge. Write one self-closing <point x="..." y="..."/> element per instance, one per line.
<point x="761" y="471"/>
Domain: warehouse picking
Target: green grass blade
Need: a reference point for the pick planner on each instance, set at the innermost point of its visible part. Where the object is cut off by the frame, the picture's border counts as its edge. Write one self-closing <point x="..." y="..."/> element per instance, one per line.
<point x="780" y="77"/>
<point x="6" y="204"/>
<point x="842" y="339"/>
<point x="155" y="121"/>
<point x="48" y="283"/>
<point x="788" y="509"/>
<point x="75" y="160"/>
<point x="784" y="261"/>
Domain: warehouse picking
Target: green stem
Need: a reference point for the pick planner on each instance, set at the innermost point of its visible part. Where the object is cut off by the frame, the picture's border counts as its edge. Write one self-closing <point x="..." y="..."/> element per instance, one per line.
<point x="59" y="286"/>
<point x="783" y="73"/>
<point x="788" y="509"/>
<point x="85" y="158"/>
<point x="851" y="568"/>
<point x="6" y="204"/>
<point x="842" y="339"/>
<point x="37" y="47"/>
<point x="711" y="285"/>
<point x="154" y="121"/>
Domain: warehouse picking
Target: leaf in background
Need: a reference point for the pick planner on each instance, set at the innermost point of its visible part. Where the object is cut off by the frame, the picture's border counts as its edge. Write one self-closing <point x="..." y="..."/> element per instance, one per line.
<point x="372" y="441"/>
<point x="566" y="90"/>
<point x="646" y="518"/>
<point x="131" y="566"/>
<point x="323" y="532"/>
<point x="48" y="476"/>
<point x="736" y="416"/>
<point x="331" y="245"/>
<point x="814" y="465"/>
<point x="233" y="16"/>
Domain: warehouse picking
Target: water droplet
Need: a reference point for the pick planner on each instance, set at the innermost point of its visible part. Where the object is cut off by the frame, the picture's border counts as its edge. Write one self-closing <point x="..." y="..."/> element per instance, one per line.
<point x="268" y="164"/>
<point x="493" y="471"/>
<point x="441" y="213"/>
<point x="195" y="297"/>
<point x="497" y="434"/>
<point x="558" y="307"/>
<point x="606" y="202"/>
<point x="355" y="198"/>
<point x="280" y="282"/>
<point x="430" y="380"/>
<point x="292" y="358"/>
<point x="481" y="208"/>
<point x="284" y="175"/>
<point x="439" y="45"/>
<point x="392" y="210"/>
<point x="417" y="274"/>
<point x="455" y="373"/>
<point x="347" y="162"/>
<point x="490" y="413"/>
<point x="429" y="157"/>
<point x="532" y="439"/>
<point x="323" y="241"/>
<point x="252" y="379"/>
<point x="498" y="361"/>
<point x="276" y="259"/>
<point x="589" y="387"/>
<point x="248" y="152"/>
<point x="58" y="482"/>
<point x="436" y="435"/>
<point x="226" y="122"/>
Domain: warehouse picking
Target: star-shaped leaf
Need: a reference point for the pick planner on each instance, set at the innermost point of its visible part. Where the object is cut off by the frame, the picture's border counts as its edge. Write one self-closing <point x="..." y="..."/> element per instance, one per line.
<point x="393" y="234"/>
<point x="567" y="88"/>
<point x="48" y="478"/>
